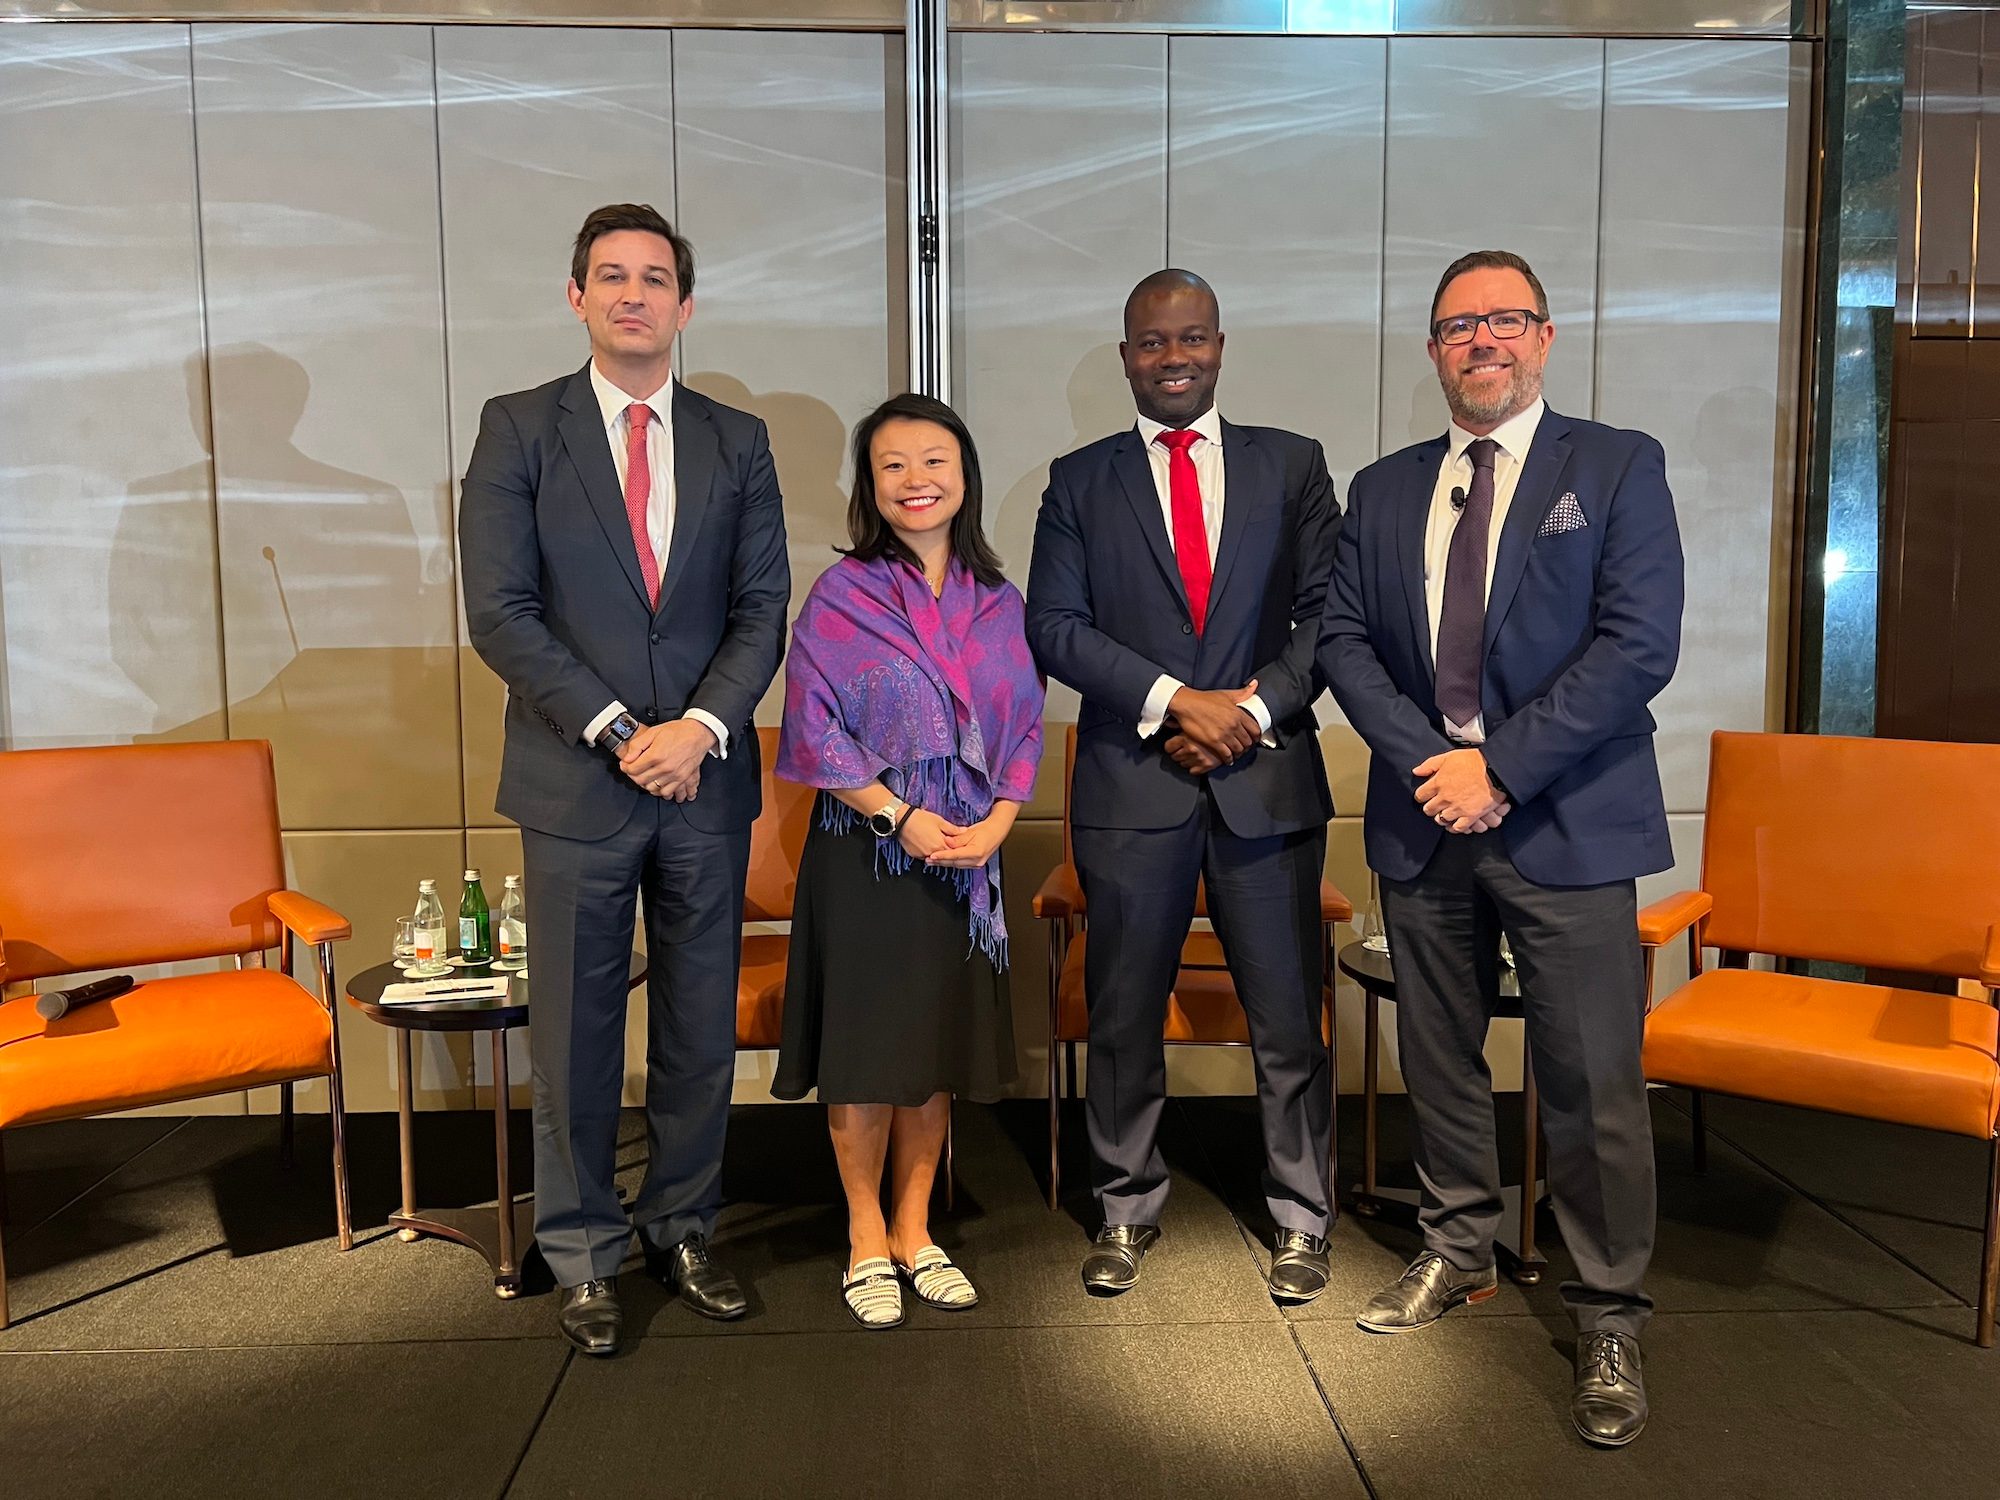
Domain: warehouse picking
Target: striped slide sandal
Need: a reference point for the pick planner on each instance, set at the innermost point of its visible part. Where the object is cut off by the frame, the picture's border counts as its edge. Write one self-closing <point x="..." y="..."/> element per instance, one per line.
<point x="873" y="1296"/>
<point x="939" y="1283"/>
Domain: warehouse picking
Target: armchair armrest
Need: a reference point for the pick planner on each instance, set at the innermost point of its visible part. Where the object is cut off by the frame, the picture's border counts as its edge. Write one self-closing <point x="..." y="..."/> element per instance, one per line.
<point x="1061" y="894"/>
<point x="309" y="920"/>
<point x="1989" y="966"/>
<point x="1670" y="916"/>
<point x="1333" y="906"/>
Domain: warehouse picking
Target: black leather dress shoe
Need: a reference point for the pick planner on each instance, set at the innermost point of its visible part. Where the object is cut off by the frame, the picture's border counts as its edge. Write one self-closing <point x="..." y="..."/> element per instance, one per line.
<point x="1608" y="1405"/>
<point x="1298" y="1268"/>
<point x="591" y="1318"/>
<point x="1430" y="1288"/>
<point x="1112" y="1266"/>
<point x="689" y="1273"/>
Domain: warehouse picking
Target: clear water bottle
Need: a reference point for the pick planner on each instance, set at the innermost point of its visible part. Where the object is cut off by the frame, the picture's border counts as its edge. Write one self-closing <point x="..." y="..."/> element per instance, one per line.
<point x="512" y="929"/>
<point x="431" y="933"/>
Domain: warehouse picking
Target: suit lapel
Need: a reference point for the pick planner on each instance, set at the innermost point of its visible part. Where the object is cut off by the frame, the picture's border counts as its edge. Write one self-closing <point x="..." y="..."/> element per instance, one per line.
<point x="1534" y="493"/>
<point x="1413" y="513"/>
<point x="1135" y="476"/>
<point x="1246" y="488"/>
<point x="697" y="459"/>
<point x="582" y="429"/>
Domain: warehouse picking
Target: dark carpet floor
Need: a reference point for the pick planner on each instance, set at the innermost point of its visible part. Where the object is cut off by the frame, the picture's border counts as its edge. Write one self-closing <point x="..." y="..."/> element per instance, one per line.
<point x="185" y="1326"/>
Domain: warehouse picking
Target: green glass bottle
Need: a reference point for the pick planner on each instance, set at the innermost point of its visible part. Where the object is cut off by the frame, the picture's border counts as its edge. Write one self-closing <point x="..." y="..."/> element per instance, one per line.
<point x="475" y="922"/>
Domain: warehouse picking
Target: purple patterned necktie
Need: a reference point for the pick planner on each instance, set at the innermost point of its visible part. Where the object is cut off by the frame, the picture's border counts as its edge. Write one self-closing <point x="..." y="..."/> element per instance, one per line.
<point x="1461" y="631"/>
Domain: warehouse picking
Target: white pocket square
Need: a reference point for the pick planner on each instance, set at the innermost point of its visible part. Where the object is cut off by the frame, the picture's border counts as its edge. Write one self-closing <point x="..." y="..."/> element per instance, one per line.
<point x="1564" y="515"/>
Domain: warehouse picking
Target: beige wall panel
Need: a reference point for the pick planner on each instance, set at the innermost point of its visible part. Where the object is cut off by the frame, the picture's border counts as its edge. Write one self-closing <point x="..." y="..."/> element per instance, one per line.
<point x="371" y="879"/>
<point x="791" y="187"/>
<point x="1695" y="347"/>
<point x="108" y="608"/>
<point x="1059" y="189"/>
<point x="537" y="126"/>
<point x="1493" y="144"/>
<point x="318" y="159"/>
<point x="1274" y="194"/>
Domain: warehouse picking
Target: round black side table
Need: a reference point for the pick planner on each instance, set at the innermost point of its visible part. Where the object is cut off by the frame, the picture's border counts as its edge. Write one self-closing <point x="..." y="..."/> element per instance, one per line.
<point x="505" y="1232"/>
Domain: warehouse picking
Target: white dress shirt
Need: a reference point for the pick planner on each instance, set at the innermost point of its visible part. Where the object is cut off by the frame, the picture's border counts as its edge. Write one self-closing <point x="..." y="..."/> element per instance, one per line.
<point x="1514" y="437"/>
<point x="1206" y="452"/>
<point x="615" y="405"/>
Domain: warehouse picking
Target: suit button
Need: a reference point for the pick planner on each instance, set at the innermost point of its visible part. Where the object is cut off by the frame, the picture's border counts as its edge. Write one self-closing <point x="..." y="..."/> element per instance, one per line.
<point x="654" y="638"/>
<point x="1186" y="628"/>
<point x="650" y="714"/>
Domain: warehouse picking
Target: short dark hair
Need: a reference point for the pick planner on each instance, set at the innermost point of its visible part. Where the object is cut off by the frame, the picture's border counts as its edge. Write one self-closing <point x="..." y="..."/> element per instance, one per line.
<point x="872" y="536"/>
<point x="1172" y="279"/>
<point x="1488" y="260"/>
<point x="616" y="216"/>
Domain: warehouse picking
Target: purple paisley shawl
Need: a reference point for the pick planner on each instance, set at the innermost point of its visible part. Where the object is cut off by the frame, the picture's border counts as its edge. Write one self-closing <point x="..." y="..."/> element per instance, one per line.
<point x="938" y="698"/>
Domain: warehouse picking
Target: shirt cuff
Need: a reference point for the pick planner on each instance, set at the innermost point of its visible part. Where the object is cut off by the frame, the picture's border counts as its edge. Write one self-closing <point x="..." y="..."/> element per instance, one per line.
<point x="1254" y="706"/>
<point x="597" y="725"/>
<point x="1154" y="714"/>
<point x="714" y="727"/>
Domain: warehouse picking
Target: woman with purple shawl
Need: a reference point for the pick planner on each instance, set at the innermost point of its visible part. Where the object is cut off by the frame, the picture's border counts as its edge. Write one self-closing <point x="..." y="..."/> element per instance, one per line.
<point x="912" y="702"/>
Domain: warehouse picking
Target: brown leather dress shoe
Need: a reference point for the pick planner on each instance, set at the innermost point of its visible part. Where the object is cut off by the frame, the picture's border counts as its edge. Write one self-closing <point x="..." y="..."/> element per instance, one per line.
<point x="591" y="1318"/>
<point x="1608" y="1404"/>
<point x="690" y="1273"/>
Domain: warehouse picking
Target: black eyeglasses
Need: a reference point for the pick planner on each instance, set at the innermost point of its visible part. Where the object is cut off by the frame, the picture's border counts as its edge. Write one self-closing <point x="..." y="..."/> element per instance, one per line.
<point x="1507" y="323"/>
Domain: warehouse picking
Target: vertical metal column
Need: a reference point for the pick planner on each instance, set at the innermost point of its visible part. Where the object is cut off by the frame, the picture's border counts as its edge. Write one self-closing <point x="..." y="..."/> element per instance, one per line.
<point x="928" y="184"/>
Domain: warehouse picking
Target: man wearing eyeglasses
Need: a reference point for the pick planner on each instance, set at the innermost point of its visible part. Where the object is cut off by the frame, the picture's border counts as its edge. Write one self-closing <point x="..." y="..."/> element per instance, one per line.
<point x="1506" y="601"/>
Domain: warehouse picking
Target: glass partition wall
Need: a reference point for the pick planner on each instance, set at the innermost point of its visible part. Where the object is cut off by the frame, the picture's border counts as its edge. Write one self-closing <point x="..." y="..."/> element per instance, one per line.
<point x="263" y="272"/>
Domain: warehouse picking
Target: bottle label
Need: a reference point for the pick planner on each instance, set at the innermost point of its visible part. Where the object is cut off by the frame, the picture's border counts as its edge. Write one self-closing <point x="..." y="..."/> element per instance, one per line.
<point x="468" y="934"/>
<point x="427" y="943"/>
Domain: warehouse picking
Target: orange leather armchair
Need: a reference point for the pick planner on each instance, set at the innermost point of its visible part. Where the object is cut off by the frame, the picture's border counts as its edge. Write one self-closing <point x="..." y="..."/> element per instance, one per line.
<point x="1202" y="1010"/>
<point x="129" y="856"/>
<point x="776" y="840"/>
<point x="1850" y="851"/>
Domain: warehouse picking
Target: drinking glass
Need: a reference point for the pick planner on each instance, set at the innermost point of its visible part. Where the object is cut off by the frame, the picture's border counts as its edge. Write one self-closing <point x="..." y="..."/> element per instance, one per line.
<point x="405" y="950"/>
<point x="1374" y="937"/>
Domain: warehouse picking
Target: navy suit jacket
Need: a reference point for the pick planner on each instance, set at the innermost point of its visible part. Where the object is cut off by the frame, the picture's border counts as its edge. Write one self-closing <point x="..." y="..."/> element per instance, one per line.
<point x="1583" y="629"/>
<point x="1108" y="614"/>
<point x="558" y="608"/>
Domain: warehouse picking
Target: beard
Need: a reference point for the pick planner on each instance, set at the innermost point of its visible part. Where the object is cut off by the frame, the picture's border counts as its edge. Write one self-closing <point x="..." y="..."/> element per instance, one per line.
<point x="1517" y="394"/>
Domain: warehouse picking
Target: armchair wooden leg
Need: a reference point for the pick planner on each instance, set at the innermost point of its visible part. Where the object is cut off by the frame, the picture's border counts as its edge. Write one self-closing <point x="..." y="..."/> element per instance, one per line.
<point x="1531" y="1168"/>
<point x="1699" y="1112"/>
<point x="343" y="1203"/>
<point x="1989" y="1266"/>
<point x="287" y="1126"/>
<point x="3" y="1221"/>
<point x="1055" y="1093"/>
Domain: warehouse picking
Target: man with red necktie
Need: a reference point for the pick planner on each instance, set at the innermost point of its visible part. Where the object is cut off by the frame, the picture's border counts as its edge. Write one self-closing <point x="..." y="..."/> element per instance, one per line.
<point x="623" y="547"/>
<point x="1177" y="580"/>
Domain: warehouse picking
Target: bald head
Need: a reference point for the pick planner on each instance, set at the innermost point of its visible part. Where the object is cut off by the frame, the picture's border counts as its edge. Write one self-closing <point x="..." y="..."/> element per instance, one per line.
<point x="1172" y="347"/>
<point x="1168" y="281"/>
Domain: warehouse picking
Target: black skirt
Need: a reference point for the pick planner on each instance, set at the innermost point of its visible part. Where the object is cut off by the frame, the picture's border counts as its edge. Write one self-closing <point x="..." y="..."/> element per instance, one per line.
<point x="887" y="1000"/>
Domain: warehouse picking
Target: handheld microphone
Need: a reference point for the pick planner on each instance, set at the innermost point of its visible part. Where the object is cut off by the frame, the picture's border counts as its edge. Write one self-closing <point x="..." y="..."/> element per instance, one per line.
<point x="1457" y="498"/>
<point x="58" y="1003"/>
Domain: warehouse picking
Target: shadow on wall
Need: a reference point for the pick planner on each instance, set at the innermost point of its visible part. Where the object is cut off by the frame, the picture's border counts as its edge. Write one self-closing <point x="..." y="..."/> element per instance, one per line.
<point x="327" y="603"/>
<point x="809" y="446"/>
<point x="1100" y="403"/>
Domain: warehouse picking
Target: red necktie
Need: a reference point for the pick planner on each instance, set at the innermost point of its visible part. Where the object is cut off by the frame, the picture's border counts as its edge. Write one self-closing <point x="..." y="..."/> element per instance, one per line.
<point x="1190" y="531"/>
<point x="638" y="490"/>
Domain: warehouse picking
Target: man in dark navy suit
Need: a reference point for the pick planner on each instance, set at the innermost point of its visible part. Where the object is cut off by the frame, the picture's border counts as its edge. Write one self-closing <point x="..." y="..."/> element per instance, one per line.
<point x="1506" y="602"/>
<point x="625" y="574"/>
<point x="1178" y="575"/>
